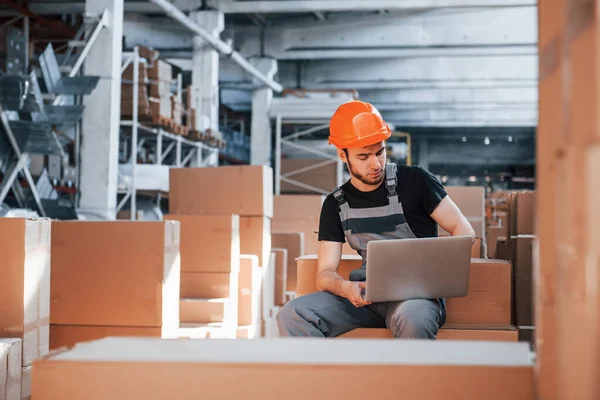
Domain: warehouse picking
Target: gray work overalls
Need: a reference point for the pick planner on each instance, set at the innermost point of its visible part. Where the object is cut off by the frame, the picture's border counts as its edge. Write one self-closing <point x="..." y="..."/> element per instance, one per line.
<point x="362" y="225"/>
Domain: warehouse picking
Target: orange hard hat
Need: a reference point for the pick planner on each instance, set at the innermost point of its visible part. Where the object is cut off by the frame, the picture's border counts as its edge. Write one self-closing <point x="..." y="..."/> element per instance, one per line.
<point x="357" y="124"/>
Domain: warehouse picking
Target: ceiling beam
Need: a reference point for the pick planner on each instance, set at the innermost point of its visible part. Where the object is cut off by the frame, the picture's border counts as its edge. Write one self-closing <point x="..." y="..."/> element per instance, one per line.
<point x="467" y="32"/>
<point x="231" y="6"/>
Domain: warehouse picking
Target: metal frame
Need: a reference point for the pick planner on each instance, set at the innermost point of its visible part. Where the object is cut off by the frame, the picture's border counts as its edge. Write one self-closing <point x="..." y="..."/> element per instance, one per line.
<point x="185" y="149"/>
<point x="307" y="111"/>
<point x="22" y="165"/>
<point x="290" y="142"/>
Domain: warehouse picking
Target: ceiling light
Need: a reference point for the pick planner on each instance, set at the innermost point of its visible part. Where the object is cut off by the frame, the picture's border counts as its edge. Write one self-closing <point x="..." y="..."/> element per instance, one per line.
<point x="510" y="138"/>
<point x="472" y="179"/>
<point x="486" y="140"/>
<point x="464" y="139"/>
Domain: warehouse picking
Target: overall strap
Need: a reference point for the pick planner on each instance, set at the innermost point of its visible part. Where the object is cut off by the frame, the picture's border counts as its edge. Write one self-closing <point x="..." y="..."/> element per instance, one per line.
<point x="390" y="179"/>
<point x="338" y="194"/>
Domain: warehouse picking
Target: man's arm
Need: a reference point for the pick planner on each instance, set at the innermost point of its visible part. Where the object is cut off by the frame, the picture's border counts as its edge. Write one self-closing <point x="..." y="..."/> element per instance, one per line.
<point x="451" y="219"/>
<point x="328" y="280"/>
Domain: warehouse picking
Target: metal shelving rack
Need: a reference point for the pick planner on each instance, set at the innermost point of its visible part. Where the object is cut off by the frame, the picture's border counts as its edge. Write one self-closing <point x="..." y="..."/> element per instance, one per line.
<point x="304" y="111"/>
<point x="134" y="134"/>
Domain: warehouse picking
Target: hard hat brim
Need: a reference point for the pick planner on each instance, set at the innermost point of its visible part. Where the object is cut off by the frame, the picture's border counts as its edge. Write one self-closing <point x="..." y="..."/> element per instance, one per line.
<point x="369" y="140"/>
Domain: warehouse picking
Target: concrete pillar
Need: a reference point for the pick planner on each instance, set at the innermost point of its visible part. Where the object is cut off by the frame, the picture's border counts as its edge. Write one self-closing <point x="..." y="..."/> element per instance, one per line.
<point x="100" y="126"/>
<point x="424" y="153"/>
<point x="205" y="71"/>
<point x="260" y="130"/>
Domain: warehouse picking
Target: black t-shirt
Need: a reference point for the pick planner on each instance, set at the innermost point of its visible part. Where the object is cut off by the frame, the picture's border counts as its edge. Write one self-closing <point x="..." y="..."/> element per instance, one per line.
<point x="418" y="190"/>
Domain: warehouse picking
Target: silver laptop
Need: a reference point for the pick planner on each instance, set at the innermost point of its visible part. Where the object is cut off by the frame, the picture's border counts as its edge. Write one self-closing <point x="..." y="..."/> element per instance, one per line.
<point x="424" y="268"/>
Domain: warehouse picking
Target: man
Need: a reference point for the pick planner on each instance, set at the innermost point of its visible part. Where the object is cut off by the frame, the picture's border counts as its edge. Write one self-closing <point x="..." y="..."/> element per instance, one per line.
<point x="380" y="201"/>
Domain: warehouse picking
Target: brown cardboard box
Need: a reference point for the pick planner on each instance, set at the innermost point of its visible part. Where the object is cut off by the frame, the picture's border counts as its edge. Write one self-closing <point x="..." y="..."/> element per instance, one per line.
<point x="209" y="243"/>
<point x="521" y="216"/>
<point x="249" y="294"/>
<point x="469" y="199"/>
<point x="308" y="227"/>
<point x="502" y="334"/>
<point x="523" y="281"/>
<point x="294" y="244"/>
<point x="493" y="233"/>
<point x="255" y="237"/>
<point x="487" y="304"/>
<point x="69" y="335"/>
<point x="25" y="284"/>
<point x="203" y="311"/>
<point x="160" y="71"/>
<point x="116" y="273"/>
<point x="206" y="285"/>
<point x="10" y="368"/>
<point x="489" y="298"/>
<point x="242" y="190"/>
<point x="294" y="207"/>
<point x="152" y="369"/>
<point x="505" y="249"/>
<point x="281" y="256"/>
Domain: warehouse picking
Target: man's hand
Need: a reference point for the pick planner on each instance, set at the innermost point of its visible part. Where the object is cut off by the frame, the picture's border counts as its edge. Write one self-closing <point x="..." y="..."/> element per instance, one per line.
<point x="353" y="292"/>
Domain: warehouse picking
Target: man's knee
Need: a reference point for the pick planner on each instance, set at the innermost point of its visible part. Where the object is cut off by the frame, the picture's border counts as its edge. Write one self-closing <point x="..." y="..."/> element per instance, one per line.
<point x="287" y="314"/>
<point x="416" y="319"/>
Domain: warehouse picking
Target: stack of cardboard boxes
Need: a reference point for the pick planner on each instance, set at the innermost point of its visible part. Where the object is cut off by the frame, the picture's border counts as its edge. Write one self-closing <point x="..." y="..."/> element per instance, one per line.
<point x="155" y="102"/>
<point x="24" y="302"/>
<point x="113" y="278"/>
<point x="220" y="227"/>
<point x="517" y="246"/>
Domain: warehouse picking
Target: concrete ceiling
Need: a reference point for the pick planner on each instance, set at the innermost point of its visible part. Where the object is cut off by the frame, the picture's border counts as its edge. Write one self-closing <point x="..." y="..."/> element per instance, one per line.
<point x="422" y="62"/>
<point x="462" y="63"/>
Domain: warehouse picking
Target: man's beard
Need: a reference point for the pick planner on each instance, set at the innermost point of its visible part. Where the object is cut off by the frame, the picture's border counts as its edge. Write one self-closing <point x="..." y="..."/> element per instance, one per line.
<point x="371" y="182"/>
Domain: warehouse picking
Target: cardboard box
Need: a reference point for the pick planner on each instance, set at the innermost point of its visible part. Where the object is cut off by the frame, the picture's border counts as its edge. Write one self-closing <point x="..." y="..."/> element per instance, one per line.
<point x="523" y="281"/>
<point x="295" y="207"/>
<point x="489" y="299"/>
<point x="249" y="294"/>
<point x="206" y="285"/>
<point x="505" y="249"/>
<point x="152" y="369"/>
<point x="280" y="275"/>
<point x="255" y="237"/>
<point x="507" y="334"/>
<point x="70" y="335"/>
<point x="488" y="302"/>
<point x="469" y="199"/>
<point x="209" y="243"/>
<point x="204" y="311"/>
<point x="294" y="244"/>
<point x="521" y="216"/>
<point x="308" y="228"/>
<point x="10" y="368"/>
<point x="242" y="190"/>
<point x="493" y="233"/>
<point x="116" y="273"/>
<point x="25" y="284"/>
